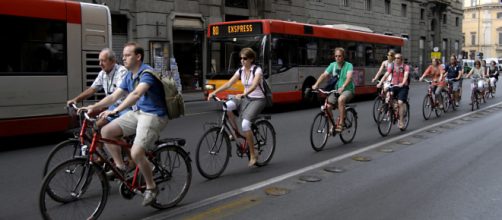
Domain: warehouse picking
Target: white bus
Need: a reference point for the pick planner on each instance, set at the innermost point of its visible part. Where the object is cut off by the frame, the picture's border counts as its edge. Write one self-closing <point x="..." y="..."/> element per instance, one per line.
<point x="50" y="54"/>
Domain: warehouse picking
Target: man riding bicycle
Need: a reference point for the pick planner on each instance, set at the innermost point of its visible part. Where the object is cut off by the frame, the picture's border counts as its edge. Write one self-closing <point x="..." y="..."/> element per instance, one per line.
<point x="454" y="73"/>
<point x="399" y="73"/>
<point x="109" y="78"/>
<point x="149" y="115"/>
<point x="344" y="86"/>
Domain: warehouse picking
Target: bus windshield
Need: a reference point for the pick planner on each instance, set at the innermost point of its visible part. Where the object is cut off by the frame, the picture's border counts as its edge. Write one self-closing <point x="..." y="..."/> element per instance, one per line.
<point x="224" y="57"/>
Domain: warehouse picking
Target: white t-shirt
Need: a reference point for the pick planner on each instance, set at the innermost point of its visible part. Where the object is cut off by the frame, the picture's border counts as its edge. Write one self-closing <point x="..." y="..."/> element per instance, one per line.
<point x="109" y="82"/>
<point x="248" y="81"/>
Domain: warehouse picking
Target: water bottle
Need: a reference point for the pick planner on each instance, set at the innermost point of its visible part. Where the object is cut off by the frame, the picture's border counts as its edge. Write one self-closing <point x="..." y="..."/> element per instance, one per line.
<point x="83" y="150"/>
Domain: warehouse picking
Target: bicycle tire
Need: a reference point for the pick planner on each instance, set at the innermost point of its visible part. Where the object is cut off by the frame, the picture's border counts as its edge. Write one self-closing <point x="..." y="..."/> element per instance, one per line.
<point x="427" y="107"/>
<point x="385" y="121"/>
<point x="63" y="151"/>
<point x="90" y="184"/>
<point x="446" y="101"/>
<point x="264" y="147"/>
<point x="319" y="129"/>
<point x="350" y="129"/>
<point x="223" y="149"/>
<point x="173" y="166"/>
<point x="377" y="107"/>
<point x="406" y="117"/>
<point x="473" y="100"/>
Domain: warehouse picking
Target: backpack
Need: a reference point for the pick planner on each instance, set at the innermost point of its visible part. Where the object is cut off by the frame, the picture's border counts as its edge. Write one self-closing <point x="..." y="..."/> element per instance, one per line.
<point x="267" y="91"/>
<point x="333" y="80"/>
<point x="174" y="100"/>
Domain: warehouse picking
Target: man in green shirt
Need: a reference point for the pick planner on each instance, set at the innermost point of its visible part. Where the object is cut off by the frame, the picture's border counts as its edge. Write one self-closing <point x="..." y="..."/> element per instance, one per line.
<point x="343" y="70"/>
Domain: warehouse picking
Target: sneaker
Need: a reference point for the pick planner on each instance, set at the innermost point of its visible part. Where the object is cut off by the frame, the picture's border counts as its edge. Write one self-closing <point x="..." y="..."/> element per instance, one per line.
<point x="456" y="104"/>
<point x="150" y="195"/>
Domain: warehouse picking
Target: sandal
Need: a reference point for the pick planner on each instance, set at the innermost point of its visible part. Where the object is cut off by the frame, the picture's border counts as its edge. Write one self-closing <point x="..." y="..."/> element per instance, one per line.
<point x="252" y="161"/>
<point x="339" y="128"/>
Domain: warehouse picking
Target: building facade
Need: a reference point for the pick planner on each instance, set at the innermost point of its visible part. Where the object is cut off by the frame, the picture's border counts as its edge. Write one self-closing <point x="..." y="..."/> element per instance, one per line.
<point x="482" y="29"/>
<point x="176" y="28"/>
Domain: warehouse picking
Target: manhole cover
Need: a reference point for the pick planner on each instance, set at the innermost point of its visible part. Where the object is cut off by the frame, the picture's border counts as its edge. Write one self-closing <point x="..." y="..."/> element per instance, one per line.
<point x="445" y="126"/>
<point x="310" y="178"/>
<point x="403" y="142"/>
<point x="432" y="131"/>
<point x="276" y="191"/>
<point x="466" y="119"/>
<point x="361" y="158"/>
<point x="386" y="150"/>
<point x="334" y="169"/>
<point x="419" y="136"/>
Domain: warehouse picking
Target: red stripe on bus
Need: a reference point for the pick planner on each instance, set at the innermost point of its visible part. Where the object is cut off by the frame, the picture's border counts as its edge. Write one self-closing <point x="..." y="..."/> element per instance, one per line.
<point x="46" y="9"/>
<point x="287" y="97"/>
<point x="13" y="127"/>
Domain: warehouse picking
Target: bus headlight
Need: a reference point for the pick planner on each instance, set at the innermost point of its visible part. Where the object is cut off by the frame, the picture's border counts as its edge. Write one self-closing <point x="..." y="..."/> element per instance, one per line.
<point x="210" y="87"/>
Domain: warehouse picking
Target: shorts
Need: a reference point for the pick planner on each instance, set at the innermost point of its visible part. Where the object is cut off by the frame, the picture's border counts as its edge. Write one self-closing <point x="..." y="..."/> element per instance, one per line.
<point x="455" y="85"/>
<point x="111" y="118"/>
<point x="146" y="126"/>
<point x="332" y="99"/>
<point x="401" y="93"/>
<point x="249" y="108"/>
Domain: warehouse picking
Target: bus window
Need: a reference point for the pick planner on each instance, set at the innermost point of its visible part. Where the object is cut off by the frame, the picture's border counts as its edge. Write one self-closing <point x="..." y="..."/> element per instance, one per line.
<point x="308" y="51"/>
<point x="284" y="55"/>
<point x="35" y="46"/>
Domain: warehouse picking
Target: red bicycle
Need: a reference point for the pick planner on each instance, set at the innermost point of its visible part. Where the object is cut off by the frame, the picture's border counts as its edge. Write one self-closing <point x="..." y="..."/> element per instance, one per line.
<point x="78" y="188"/>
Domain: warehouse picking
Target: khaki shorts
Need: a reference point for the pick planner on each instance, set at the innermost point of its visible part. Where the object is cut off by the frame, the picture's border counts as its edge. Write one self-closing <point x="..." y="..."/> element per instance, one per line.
<point x="347" y="94"/>
<point x="146" y="126"/>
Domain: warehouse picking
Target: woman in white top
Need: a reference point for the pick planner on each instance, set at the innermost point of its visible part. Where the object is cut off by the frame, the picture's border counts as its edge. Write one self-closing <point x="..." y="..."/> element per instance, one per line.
<point x="383" y="69"/>
<point x="477" y="73"/>
<point x="251" y="102"/>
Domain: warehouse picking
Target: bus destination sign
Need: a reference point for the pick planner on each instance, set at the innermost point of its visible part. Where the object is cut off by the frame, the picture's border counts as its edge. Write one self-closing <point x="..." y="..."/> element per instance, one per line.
<point x="226" y="30"/>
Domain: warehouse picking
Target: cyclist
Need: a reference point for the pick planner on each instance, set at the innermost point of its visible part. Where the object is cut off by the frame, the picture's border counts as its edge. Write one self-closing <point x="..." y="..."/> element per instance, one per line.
<point x="454" y="74"/>
<point x="383" y="67"/>
<point x="345" y="86"/>
<point x="251" y="102"/>
<point x="493" y="75"/>
<point x="435" y="70"/>
<point x="477" y="74"/>
<point x="110" y="76"/>
<point x="399" y="73"/>
<point x="148" y="117"/>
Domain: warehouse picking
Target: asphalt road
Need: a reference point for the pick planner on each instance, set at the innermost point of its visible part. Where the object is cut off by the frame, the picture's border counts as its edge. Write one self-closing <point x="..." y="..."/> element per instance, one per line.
<point x="21" y="159"/>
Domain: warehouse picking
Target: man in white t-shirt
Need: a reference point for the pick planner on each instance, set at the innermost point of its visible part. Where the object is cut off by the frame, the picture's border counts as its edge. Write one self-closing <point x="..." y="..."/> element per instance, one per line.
<point x="109" y="78"/>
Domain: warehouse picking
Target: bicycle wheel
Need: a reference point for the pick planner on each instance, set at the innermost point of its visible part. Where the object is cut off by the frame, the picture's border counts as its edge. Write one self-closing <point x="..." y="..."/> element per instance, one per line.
<point x="264" y="142"/>
<point x="474" y="100"/>
<point x="437" y="110"/>
<point x="319" y="131"/>
<point x="377" y="107"/>
<point x="213" y="152"/>
<point x="406" y="117"/>
<point x="452" y="102"/>
<point x="350" y="129"/>
<point x="63" y="151"/>
<point x="74" y="189"/>
<point x="385" y="121"/>
<point x="446" y="101"/>
<point x="427" y="107"/>
<point x="172" y="174"/>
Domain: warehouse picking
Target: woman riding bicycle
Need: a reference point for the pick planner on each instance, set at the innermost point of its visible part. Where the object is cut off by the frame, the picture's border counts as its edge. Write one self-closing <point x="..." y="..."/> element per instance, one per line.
<point x="383" y="69"/>
<point x="251" y="102"/>
<point x="493" y="74"/>
<point x="436" y="70"/>
<point x="477" y="74"/>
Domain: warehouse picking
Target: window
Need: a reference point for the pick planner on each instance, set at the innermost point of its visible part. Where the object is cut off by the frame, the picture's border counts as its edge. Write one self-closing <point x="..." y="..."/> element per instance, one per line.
<point x="473" y="2"/>
<point x="473" y="15"/>
<point x="444" y="18"/>
<point x="499" y="15"/>
<point x="236" y="3"/>
<point x="422" y="14"/>
<point x="36" y="46"/>
<point x="473" y="38"/>
<point x="457" y="21"/>
<point x="387" y="7"/>
<point x="404" y="9"/>
<point x="345" y="3"/>
<point x="284" y="55"/>
<point x="368" y="5"/>
<point x="500" y="39"/>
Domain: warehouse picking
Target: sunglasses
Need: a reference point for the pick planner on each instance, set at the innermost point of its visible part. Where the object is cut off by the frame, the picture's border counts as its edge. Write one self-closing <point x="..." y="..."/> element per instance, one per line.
<point x="244" y="58"/>
<point x="338" y="56"/>
<point x="398" y="57"/>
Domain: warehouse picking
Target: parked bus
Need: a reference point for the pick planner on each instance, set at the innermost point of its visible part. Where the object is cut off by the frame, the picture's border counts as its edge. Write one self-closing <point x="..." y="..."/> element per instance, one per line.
<point x="293" y="55"/>
<point x="49" y="54"/>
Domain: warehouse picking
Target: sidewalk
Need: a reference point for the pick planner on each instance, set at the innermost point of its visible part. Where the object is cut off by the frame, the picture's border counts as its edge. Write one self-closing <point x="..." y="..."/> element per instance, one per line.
<point x="193" y="96"/>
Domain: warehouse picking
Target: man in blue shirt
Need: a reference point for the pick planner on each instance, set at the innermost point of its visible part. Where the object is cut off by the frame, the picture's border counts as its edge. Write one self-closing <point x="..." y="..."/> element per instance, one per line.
<point x="149" y="115"/>
<point x="454" y="73"/>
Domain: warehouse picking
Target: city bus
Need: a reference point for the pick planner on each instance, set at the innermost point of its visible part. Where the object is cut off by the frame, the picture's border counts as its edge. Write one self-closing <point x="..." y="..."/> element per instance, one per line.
<point x="50" y="54"/>
<point x="293" y="55"/>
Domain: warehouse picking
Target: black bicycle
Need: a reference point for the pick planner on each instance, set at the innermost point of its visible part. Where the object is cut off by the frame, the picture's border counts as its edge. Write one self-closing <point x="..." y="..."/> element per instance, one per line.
<point x="390" y="115"/>
<point x="214" y="148"/>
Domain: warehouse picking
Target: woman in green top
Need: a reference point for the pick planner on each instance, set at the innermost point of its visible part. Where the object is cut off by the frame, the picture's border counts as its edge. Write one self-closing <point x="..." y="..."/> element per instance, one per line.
<point x="343" y="70"/>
